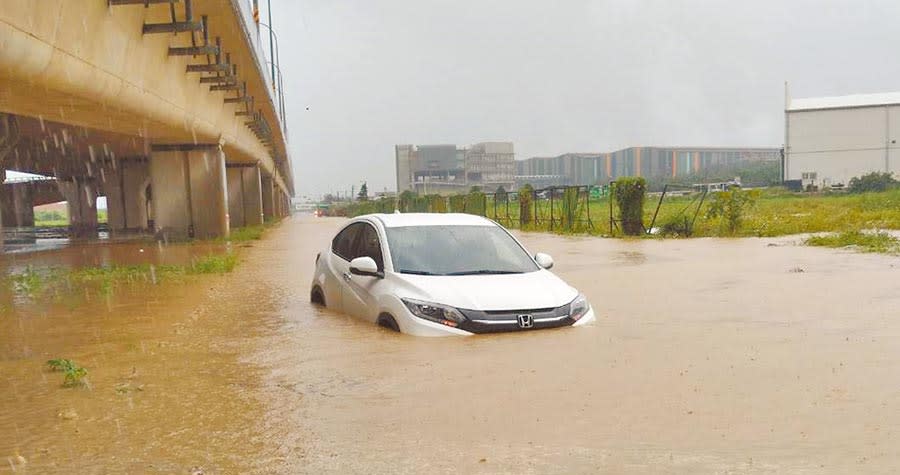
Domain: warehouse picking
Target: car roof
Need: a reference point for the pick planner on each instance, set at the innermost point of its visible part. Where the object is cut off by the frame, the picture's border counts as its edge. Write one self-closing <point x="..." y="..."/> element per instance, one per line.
<point x="396" y="220"/>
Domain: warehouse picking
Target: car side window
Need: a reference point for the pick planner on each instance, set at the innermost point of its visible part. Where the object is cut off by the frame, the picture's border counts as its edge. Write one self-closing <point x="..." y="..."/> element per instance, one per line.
<point x="343" y="243"/>
<point x="369" y="245"/>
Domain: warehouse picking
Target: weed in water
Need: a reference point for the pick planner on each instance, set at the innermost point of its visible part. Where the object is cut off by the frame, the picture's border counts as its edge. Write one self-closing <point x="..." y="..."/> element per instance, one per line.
<point x="214" y="264"/>
<point x="73" y="373"/>
<point x="28" y="282"/>
<point x="879" y="242"/>
<point x="247" y="233"/>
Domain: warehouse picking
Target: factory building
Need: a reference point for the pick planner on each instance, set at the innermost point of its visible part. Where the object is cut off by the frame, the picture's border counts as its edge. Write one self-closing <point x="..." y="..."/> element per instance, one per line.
<point x="830" y="140"/>
<point x="450" y="169"/>
<point x="649" y="162"/>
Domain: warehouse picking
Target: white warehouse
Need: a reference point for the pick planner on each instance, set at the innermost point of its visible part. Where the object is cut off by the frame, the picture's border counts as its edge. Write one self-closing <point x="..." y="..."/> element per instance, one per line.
<point x="829" y="140"/>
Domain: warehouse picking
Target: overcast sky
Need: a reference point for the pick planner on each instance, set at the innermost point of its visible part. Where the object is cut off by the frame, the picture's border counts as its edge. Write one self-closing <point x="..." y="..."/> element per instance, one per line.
<point x="560" y="76"/>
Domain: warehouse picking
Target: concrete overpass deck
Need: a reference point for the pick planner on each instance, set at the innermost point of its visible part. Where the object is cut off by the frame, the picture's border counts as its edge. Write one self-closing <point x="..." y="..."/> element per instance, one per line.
<point x="159" y="105"/>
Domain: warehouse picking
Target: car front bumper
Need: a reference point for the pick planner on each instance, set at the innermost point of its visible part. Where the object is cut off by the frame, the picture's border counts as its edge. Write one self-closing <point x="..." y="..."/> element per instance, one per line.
<point x="420" y="327"/>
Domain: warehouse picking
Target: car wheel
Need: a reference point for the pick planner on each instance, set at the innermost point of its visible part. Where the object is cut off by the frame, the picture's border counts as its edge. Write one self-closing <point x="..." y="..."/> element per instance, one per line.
<point x="316" y="296"/>
<point x="387" y="321"/>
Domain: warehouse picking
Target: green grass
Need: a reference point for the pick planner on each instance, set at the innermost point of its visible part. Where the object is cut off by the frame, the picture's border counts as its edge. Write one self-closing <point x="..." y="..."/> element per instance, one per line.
<point x="247" y="233"/>
<point x="106" y="279"/>
<point x="214" y="264"/>
<point x="879" y="242"/>
<point x="776" y="212"/>
<point x="57" y="219"/>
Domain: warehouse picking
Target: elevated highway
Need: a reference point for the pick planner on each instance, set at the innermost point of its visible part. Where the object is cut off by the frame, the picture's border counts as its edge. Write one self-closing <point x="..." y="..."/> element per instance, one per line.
<point x="163" y="106"/>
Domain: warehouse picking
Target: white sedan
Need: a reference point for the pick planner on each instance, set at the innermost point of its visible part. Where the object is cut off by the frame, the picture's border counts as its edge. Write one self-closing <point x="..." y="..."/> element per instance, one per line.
<point x="442" y="274"/>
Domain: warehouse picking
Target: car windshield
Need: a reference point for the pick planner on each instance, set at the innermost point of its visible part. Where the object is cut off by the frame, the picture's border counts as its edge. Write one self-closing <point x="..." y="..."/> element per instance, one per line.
<point x="456" y="250"/>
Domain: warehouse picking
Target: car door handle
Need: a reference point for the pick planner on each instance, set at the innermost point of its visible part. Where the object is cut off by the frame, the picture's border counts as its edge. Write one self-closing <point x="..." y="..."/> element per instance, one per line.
<point x="346" y="276"/>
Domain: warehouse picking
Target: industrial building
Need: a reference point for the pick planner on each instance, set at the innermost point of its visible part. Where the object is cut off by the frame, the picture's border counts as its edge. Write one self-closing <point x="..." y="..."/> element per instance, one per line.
<point x="649" y="162"/>
<point x="829" y="140"/>
<point x="451" y="169"/>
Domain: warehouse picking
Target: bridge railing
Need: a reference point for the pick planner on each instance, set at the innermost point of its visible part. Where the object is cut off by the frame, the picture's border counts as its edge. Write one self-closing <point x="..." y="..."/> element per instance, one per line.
<point x="265" y="53"/>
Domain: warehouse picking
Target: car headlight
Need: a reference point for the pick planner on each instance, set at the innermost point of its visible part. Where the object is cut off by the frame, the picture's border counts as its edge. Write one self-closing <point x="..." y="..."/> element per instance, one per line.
<point x="578" y="307"/>
<point x="435" y="312"/>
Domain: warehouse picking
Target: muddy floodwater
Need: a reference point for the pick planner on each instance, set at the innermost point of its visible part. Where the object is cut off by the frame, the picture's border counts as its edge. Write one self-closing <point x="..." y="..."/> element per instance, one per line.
<point x="708" y="356"/>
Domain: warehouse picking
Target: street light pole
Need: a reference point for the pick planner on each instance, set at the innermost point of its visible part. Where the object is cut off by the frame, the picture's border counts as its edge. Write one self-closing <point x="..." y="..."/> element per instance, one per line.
<point x="271" y="44"/>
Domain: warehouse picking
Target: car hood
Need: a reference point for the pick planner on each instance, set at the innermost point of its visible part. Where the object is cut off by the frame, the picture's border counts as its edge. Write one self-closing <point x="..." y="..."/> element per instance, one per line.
<point x="531" y="290"/>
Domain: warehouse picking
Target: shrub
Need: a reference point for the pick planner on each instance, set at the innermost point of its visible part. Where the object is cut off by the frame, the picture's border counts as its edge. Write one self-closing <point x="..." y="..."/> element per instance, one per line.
<point x="730" y="207"/>
<point x="458" y="204"/>
<point x="875" y="181"/>
<point x="476" y="202"/>
<point x="678" y="226"/>
<point x="570" y="207"/>
<point x="526" y="196"/>
<point x="630" y="193"/>
<point x="436" y="204"/>
<point x="406" y="201"/>
<point x="500" y="195"/>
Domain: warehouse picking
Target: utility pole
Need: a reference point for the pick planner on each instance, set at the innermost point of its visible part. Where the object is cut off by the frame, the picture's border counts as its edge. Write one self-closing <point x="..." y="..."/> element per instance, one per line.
<point x="271" y="45"/>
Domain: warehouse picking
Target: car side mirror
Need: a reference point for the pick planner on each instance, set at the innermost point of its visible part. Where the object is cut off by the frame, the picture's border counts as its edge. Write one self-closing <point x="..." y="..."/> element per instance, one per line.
<point x="543" y="260"/>
<point x="365" y="266"/>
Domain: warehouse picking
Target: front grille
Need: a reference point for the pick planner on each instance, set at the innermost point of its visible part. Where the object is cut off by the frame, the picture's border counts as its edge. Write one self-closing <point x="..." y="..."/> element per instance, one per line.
<point x="493" y="321"/>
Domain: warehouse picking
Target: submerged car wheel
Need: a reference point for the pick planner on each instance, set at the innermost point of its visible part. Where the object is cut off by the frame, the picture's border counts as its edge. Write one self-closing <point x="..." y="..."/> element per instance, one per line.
<point x="316" y="296"/>
<point x="387" y="321"/>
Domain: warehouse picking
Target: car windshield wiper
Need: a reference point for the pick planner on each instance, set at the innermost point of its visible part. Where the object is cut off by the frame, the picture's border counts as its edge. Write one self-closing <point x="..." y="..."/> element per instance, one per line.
<point x="417" y="272"/>
<point x="484" y="271"/>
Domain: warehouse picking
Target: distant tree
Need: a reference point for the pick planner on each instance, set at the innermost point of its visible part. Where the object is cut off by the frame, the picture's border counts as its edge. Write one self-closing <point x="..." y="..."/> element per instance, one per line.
<point x="329" y="198"/>
<point x="363" y="194"/>
<point x="475" y="189"/>
<point x="500" y="195"/>
<point x="875" y="181"/>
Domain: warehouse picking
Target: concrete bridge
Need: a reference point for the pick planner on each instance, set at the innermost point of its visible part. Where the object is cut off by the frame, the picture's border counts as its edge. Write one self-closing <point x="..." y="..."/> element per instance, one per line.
<point x="165" y="107"/>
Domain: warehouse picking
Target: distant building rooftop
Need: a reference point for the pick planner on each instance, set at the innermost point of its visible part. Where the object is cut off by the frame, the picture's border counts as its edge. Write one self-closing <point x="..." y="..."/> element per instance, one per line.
<point x="844" y="102"/>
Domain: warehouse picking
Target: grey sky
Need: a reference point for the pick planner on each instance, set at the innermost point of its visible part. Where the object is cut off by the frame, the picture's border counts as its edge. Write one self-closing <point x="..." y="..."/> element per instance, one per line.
<point x="562" y="76"/>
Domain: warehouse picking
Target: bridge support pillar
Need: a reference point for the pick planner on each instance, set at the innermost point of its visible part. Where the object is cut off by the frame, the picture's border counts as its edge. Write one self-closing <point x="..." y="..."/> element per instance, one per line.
<point x="17" y="205"/>
<point x="81" y="200"/>
<point x="268" y="197"/>
<point x="126" y="187"/>
<point x="245" y="201"/>
<point x="188" y="191"/>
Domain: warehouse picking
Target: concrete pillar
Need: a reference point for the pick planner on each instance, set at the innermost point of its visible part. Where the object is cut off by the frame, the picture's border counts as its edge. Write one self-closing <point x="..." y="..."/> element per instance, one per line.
<point x="81" y="200"/>
<point x="268" y="197"/>
<point x="17" y="207"/>
<point x="235" y="197"/>
<point x="188" y="191"/>
<point x="253" y="202"/>
<point x="245" y="202"/>
<point x="125" y="185"/>
<point x="209" y="194"/>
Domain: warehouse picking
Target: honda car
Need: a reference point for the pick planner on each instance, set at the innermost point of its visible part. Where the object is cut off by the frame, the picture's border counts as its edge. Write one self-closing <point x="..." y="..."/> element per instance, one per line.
<point x="442" y="274"/>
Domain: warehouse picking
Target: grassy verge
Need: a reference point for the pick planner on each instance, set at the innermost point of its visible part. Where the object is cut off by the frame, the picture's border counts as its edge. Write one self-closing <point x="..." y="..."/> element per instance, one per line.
<point x="107" y="279"/>
<point x="878" y="242"/>
<point x="775" y="213"/>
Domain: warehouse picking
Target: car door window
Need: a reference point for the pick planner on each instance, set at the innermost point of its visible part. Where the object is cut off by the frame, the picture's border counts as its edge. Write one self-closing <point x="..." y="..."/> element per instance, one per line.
<point x="344" y="244"/>
<point x="368" y="245"/>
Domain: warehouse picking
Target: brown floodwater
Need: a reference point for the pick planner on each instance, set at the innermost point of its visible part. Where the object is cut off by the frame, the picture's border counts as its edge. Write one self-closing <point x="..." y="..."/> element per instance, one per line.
<point x="708" y="356"/>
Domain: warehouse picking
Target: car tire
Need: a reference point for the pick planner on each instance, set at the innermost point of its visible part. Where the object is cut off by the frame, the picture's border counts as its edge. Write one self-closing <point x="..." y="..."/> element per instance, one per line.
<point x="387" y="321"/>
<point x="316" y="297"/>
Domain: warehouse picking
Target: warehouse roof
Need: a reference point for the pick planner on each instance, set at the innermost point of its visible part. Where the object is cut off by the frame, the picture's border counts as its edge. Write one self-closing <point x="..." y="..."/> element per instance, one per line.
<point x="844" y="102"/>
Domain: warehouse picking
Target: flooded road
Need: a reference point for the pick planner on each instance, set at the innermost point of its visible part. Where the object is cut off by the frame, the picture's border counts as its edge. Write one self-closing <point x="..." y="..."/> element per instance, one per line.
<point x="708" y="356"/>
